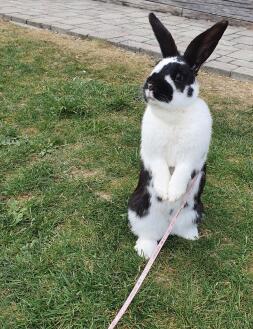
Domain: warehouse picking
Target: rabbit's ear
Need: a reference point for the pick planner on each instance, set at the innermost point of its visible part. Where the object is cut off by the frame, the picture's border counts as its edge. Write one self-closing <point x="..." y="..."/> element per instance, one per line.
<point x="163" y="36"/>
<point x="203" y="45"/>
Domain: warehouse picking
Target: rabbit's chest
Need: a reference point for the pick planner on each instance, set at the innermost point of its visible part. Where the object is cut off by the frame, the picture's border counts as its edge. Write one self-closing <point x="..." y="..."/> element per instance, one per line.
<point x="175" y="146"/>
<point x="173" y="141"/>
<point x="171" y="144"/>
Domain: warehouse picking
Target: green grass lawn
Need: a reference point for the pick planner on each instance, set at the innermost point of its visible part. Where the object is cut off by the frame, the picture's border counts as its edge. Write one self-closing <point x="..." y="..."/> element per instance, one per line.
<point x="70" y="115"/>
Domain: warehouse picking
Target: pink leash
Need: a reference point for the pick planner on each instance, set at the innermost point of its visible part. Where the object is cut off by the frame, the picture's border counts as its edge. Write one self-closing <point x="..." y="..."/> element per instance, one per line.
<point x="153" y="257"/>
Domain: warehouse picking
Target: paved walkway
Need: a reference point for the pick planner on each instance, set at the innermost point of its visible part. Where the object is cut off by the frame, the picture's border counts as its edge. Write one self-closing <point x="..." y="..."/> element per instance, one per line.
<point x="239" y="12"/>
<point x="238" y="9"/>
<point x="129" y="27"/>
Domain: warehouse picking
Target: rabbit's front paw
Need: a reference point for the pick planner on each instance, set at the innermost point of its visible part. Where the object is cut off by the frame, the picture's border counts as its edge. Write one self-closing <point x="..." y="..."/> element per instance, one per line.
<point x="175" y="192"/>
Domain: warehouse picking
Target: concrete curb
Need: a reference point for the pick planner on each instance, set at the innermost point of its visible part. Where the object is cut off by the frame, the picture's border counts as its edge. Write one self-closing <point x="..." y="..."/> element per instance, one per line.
<point x="211" y="68"/>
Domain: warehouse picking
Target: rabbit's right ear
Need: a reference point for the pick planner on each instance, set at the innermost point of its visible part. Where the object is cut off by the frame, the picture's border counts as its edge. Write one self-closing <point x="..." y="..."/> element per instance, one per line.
<point x="203" y="45"/>
<point x="163" y="36"/>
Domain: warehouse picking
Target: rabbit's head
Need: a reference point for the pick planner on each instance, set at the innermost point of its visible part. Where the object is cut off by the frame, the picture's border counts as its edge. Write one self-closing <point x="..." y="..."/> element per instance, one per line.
<point x="172" y="83"/>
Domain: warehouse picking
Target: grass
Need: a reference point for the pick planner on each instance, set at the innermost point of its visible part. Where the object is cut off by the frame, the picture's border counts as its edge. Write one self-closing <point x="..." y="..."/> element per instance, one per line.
<point x="69" y="153"/>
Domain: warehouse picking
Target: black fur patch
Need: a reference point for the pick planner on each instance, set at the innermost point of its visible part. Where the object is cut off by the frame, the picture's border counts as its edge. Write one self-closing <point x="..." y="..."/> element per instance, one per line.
<point x="140" y="199"/>
<point x="162" y="90"/>
<point x="180" y="73"/>
<point x="190" y="92"/>
<point x="158" y="198"/>
<point x="198" y="205"/>
<point x="182" y="78"/>
<point x="193" y="174"/>
<point x="171" y="169"/>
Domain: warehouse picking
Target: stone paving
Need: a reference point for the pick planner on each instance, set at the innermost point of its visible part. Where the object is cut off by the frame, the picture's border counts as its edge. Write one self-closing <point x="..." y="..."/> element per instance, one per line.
<point x="129" y="27"/>
<point x="239" y="12"/>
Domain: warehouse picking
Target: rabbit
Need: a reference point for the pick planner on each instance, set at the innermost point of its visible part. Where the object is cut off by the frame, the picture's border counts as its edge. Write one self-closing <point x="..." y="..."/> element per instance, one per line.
<point x="175" y="137"/>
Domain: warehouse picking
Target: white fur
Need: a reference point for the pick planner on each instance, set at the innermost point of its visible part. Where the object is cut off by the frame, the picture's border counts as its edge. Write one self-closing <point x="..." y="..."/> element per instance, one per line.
<point x="164" y="62"/>
<point x="145" y="248"/>
<point x="175" y="134"/>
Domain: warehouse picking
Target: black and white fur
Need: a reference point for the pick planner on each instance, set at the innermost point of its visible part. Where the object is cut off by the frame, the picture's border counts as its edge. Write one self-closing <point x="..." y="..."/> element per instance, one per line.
<point x="176" y="132"/>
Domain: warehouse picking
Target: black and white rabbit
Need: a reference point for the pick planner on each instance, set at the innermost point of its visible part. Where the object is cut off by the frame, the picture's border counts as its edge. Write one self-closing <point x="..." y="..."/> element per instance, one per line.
<point x="176" y="132"/>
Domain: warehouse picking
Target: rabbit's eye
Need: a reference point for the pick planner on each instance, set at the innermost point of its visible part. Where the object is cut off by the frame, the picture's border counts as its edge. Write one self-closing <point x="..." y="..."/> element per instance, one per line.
<point x="179" y="77"/>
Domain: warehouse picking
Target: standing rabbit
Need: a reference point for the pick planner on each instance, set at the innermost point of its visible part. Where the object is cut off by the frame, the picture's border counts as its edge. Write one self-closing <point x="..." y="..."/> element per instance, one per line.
<point x="175" y="137"/>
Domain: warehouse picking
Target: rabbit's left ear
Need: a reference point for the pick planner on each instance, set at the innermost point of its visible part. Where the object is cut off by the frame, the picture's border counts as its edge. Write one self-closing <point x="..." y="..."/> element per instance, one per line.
<point x="163" y="36"/>
<point x="203" y="45"/>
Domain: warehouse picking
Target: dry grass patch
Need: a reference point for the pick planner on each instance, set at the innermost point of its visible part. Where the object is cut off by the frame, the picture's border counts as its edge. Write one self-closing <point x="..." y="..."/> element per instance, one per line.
<point x="250" y="270"/>
<point x="212" y="85"/>
<point x="77" y="173"/>
<point x="205" y="233"/>
<point x="98" y="52"/>
<point x="24" y="197"/>
<point x="104" y="195"/>
<point x="29" y="131"/>
<point x="166" y="278"/>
